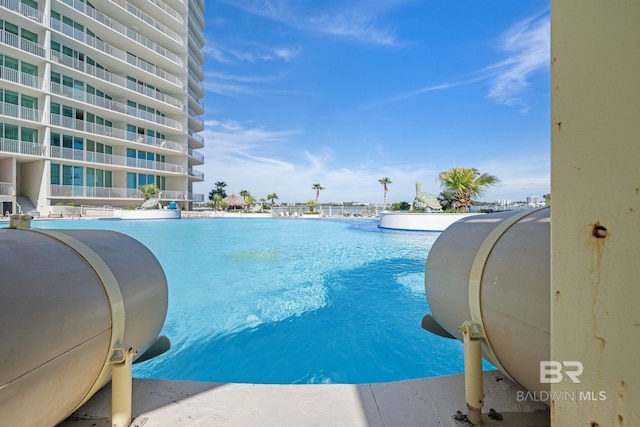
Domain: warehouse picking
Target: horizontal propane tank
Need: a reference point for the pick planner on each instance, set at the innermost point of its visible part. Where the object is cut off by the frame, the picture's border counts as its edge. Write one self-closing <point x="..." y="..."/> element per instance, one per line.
<point x="69" y="300"/>
<point x="493" y="270"/>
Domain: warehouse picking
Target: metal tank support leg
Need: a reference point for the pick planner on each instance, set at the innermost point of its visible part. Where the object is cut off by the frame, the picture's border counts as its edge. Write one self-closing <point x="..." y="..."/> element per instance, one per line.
<point x="473" y="385"/>
<point x="121" y="386"/>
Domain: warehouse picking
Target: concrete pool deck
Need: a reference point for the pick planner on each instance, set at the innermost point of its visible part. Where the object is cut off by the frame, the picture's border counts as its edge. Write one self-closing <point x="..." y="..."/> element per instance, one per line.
<point x="423" y="402"/>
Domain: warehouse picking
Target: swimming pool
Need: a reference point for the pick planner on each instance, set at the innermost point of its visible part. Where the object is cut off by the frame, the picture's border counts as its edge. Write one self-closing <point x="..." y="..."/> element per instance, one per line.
<point x="290" y="300"/>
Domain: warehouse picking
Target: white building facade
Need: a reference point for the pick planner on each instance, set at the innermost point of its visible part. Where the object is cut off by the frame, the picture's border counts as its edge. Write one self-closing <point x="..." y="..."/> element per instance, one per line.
<point x="98" y="98"/>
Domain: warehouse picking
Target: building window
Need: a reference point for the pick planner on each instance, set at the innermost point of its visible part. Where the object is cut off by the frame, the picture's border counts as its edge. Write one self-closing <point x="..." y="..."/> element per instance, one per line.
<point x="11" y="132"/>
<point x="55" y="174"/>
<point x="29" y="135"/>
<point x="28" y="35"/>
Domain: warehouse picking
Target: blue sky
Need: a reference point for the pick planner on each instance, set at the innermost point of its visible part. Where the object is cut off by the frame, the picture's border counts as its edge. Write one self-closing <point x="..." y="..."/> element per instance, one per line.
<point x="345" y="92"/>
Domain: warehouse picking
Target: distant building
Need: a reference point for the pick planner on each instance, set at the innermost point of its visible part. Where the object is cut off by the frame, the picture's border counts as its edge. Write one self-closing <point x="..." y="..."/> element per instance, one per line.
<point x="98" y="98"/>
<point x="504" y="202"/>
<point x="534" y="200"/>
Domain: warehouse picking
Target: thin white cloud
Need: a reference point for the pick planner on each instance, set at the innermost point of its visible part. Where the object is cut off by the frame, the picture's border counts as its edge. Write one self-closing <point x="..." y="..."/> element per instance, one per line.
<point x="286" y="54"/>
<point x="412" y="94"/>
<point x="527" y="45"/>
<point x="251" y="54"/>
<point x="233" y="84"/>
<point x="354" y="24"/>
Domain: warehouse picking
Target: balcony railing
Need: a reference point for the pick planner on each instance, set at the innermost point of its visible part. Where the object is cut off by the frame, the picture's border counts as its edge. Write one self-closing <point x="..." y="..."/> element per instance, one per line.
<point x="114" y="78"/>
<point x="156" y="142"/>
<point x="148" y="19"/>
<point x="15" y="76"/>
<point x="162" y="120"/>
<point x="20" y="43"/>
<point x="195" y="173"/>
<point x="122" y="29"/>
<point x="168" y="10"/>
<point x="96" y="129"/>
<point x="98" y="101"/>
<point x="114" y="51"/>
<point x="194" y="116"/>
<point x="82" y="125"/>
<point x="83" y="96"/>
<point x="77" y="191"/>
<point x="6" y="189"/>
<point x="21" y="147"/>
<point x="196" y="155"/>
<point x="197" y="137"/>
<point x="22" y="9"/>
<point x="199" y="16"/>
<point x="113" y="160"/>
<point x="18" y="112"/>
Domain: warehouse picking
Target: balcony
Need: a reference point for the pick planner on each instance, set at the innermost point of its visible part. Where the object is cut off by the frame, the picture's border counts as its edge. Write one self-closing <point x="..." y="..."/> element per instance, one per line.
<point x="169" y="11"/>
<point x="22" y="44"/>
<point x="195" y="174"/>
<point x="116" y="53"/>
<point x="101" y="130"/>
<point x="122" y="29"/>
<point x="15" y="76"/>
<point x="156" y="142"/>
<point x="78" y="191"/>
<point x="114" y="79"/>
<point x="196" y="155"/>
<point x="161" y="120"/>
<point x="195" y="197"/>
<point x="6" y="189"/>
<point x="80" y="95"/>
<point x="197" y="141"/>
<point x="22" y="9"/>
<point x="18" y="112"/>
<point x="199" y="17"/>
<point x="113" y="160"/>
<point x="21" y="147"/>
<point x="149" y="20"/>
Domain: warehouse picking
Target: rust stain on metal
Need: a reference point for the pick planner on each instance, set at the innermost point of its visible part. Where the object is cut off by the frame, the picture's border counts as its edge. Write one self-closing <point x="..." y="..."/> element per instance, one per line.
<point x="599" y="231"/>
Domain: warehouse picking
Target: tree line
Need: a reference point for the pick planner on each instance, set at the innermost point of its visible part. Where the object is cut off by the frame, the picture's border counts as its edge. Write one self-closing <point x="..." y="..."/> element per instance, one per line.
<point x="459" y="186"/>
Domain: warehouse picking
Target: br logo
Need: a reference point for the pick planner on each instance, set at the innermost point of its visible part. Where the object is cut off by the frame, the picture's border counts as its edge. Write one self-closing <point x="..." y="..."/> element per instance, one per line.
<point x="553" y="372"/>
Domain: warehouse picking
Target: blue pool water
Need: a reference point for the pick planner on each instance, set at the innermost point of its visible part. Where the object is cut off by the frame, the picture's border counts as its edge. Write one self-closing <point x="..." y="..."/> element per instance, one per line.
<point x="290" y="301"/>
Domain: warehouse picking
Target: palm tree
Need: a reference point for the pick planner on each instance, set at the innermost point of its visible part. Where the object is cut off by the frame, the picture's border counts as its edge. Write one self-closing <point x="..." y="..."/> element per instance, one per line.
<point x="245" y="194"/>
<point x="148" y="191"/>
<point x="465" y="183"/>
<point x="217" y="201"/>
<point x="272" y="197"/>
<point x="317" y="187"/>
<point x="311" y="205"/>
<point x="250" y="200"/>
<point x="218" y="190"/>
<point x="384" y="181"/>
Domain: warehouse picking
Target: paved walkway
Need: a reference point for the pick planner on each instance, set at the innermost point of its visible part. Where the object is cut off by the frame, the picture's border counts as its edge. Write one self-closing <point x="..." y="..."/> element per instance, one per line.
<point x="424" y="402"/>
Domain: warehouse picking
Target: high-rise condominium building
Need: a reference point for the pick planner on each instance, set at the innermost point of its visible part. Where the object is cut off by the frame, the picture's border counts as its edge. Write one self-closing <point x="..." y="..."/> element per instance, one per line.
<point x="97" y="99"/>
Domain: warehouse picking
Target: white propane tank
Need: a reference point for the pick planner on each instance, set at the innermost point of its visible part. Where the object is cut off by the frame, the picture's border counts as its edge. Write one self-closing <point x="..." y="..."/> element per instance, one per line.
<point x="494" y="270"/>
<point x="68" y="300"/>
